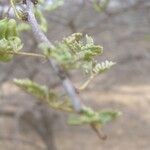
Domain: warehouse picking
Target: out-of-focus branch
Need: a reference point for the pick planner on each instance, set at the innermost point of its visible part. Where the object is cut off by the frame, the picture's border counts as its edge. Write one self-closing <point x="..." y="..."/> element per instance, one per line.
<point x="110" y="14"/>
<point x="8" y="138"/>
<point x="41" y="38"/>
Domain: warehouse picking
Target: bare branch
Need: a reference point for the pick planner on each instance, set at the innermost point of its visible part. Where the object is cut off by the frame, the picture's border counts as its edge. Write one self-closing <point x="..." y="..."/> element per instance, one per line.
<point x="41" y="38"/>
<point x="8" y="138"/>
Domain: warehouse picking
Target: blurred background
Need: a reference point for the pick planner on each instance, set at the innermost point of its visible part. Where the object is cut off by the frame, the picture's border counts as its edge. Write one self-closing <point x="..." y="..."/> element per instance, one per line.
<point x="123" y="29"/>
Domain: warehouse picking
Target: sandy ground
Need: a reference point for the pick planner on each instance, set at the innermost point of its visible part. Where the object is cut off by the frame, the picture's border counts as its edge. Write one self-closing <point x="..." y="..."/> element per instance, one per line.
<point x="130" y="131"/>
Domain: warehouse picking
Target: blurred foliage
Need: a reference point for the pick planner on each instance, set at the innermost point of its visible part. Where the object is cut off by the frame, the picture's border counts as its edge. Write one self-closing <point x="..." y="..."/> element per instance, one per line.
<point x="44" y="94"/>
<point x="89" y="116"/>
<point x="9" y="40"/>
<point x="51" y="5"/>
<point x="100" y="6"/>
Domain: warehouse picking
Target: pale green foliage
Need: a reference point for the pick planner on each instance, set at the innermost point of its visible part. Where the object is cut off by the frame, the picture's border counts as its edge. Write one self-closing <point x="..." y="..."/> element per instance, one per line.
<point x="39" y="14"/>
<point x="100" y="6"/>
<point x="107" y="116"/>
<point x="44" y="94"/>
<point x="9" y="40"/>
<point x="89" y="116"/>
<point x="75" y="52"/>
<point x="52" y="6"/>
<point x="104" y="66"/>
<point x="23" y="27"/>
<point x="35" y="89"/>
<point x="42" y="20"/>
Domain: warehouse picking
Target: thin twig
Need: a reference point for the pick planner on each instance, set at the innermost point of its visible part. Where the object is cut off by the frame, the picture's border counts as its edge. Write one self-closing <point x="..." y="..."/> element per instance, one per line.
<point x="30" y="54"/>
<point x="86" y="83"/>
<point x="14" y="8"/>
<point x="24" y="54"/>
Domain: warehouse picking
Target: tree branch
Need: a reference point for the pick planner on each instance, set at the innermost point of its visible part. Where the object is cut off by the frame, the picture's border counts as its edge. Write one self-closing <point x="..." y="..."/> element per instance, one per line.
<point x="41" y="38"/>
<point x="21" y="141"/>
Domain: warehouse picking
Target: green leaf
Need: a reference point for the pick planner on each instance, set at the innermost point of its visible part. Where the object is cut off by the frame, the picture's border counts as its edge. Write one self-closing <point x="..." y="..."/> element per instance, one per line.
<point x="43" y="22"/>
<point x="4" y="48"/>
<point x="74" y="52"/>
<point x="89" y="40"/>
<point x="23" y="27"/>
<point x="15" y="44"/>
<point x="11" y="28"/>
<point x="33" y="88"/>
<point x="45" y="95"/>
<point x="89" y="116"/>
<point x="100" y="6"/>
<point x="108" y="116"/>
<point x="9" y="40"/>
<point x="3" y="27"/>
<point x="104" y="66"/>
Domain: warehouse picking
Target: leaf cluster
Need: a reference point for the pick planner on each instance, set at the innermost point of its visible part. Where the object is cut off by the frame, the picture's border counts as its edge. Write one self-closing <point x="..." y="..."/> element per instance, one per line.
<point x="51" y="98"/>
<point x="44" y="94"/>
<point x="9" y="40"/>
<point x="100" y="6"/>
<point x="77" y="51"/>
<point x="89" y="116"/>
